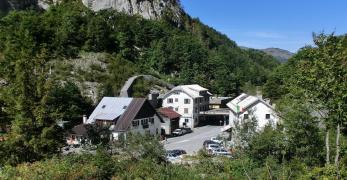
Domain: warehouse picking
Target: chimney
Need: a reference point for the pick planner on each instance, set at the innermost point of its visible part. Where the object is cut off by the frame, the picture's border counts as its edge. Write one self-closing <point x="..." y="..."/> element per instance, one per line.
<point x="84" y="119"/>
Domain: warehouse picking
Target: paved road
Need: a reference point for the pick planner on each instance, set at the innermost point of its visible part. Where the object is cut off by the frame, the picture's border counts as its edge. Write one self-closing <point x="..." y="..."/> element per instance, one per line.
<point x="126" y="89"/>
<point x="192" y="142"/>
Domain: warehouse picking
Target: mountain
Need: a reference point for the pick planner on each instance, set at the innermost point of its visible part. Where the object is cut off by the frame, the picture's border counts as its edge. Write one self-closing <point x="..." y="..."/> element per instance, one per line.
<point x="69" y="37"/>
<point x="148" y="9"/>
<point x="280" y="54"/>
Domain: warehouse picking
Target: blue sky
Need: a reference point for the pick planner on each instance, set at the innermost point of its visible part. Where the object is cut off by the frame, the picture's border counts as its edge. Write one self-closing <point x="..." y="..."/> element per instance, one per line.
<point x="286" y="24"/>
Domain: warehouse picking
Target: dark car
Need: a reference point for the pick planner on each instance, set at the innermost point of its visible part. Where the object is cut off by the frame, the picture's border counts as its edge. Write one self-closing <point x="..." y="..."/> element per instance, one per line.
<point x="207" y="142"/>
<point x="178" y="152"/>
<point x="188" y="130"/>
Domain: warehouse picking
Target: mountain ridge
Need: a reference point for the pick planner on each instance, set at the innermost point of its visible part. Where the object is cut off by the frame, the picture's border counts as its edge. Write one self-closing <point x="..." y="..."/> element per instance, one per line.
<point x="281" y="54"/>
<point x="148" y="9"/>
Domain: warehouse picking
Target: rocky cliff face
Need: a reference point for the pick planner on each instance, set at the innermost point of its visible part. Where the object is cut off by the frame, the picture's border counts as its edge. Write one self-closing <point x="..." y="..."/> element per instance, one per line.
<point x="149" y="9"/>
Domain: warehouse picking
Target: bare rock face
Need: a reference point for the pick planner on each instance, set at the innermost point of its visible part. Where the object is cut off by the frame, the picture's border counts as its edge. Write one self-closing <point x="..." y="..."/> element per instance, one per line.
<point x="149" y="9"/>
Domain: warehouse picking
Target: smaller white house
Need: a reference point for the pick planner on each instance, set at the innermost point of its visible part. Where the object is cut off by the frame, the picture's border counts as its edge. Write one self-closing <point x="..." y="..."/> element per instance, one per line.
<point x="246" y="107"/>
<point x="124" y="115"/>
<point x="188" y="101"/>
<point x="171" y="120"/>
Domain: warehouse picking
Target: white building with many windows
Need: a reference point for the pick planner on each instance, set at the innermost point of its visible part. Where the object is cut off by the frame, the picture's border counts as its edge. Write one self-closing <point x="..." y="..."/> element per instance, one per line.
<point x="189" y="101"/>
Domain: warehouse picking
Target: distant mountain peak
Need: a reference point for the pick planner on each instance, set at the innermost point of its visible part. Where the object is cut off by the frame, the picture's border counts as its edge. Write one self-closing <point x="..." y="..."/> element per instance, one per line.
<point x="280" y="54"/>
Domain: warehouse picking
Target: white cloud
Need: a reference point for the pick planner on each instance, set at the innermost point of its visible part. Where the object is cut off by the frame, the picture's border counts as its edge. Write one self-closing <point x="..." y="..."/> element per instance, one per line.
<point x="266" y="35"/>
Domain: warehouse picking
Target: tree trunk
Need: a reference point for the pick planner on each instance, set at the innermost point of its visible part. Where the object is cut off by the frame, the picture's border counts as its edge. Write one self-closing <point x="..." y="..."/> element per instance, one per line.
<point x="337" y="145"/>
<point x="327" y="160"/>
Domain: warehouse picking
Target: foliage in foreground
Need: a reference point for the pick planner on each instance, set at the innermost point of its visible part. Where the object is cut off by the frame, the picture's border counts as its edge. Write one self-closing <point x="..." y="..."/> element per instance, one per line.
<point x="104" y="166"/>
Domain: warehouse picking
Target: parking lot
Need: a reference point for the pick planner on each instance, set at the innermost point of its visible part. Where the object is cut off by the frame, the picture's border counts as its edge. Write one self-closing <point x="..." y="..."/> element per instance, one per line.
<point x="192" y="142"/>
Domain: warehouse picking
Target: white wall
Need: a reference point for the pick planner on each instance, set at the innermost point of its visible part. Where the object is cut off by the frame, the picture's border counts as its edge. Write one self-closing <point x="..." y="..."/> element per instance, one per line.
<point x="258" y="111"/>
<point x="166" y="125"/>
<point x="152" y="128"/>
<point x="179" y="107"/>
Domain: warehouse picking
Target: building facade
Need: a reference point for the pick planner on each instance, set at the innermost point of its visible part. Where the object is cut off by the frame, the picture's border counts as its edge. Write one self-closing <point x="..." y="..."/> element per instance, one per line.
<point x="246" y="107"/>
<point x="171" y="120"/>
<point x="123" y="115"/>
<point x="188" y="101"/>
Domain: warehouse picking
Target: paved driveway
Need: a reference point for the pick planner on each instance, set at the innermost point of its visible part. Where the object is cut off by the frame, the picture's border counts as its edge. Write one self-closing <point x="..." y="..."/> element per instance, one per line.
<point x="192" y="142"/>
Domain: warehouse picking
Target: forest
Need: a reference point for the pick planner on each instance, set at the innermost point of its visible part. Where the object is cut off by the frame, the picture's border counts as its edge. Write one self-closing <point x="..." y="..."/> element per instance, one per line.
<point x="36" y="91"/>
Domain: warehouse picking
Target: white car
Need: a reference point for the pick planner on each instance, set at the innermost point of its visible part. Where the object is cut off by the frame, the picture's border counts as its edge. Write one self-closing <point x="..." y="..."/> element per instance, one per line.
<point x="179" y="132"/>
<point x="221" y="152"/>
<point x="171" y="157"/>
<point x="217" y="140"/>
<point x="211" y="147"/>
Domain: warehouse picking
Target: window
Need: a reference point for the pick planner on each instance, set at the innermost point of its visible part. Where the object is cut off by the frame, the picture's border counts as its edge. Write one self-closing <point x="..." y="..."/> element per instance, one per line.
<point x="186" y="120"/>
<point x="245" y="116"/>
<point x="170" y="100"/>
<point x="196" y="110"/>
<point x="151" y="120"/>
<point x="135" y="123"/>
<point x="144" y="123"/>
<point x="176" y="99"/>
<point x="267" y="116"/>
<point x="186" y="101"/>
<point x="186" y="110"/>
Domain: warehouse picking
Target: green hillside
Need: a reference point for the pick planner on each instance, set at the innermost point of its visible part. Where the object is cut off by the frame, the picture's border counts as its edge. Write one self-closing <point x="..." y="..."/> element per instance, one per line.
<point x="49" y="58"/>
<point x="193" y="53"/>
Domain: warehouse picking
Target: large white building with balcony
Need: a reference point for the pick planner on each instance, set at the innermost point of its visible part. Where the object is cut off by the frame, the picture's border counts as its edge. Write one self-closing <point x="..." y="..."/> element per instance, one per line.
<point x="189" y="101"/>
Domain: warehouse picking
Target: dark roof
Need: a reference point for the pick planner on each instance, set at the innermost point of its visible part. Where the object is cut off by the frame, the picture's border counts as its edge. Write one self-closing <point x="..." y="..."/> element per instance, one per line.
<point x="137" y="109"/>
<point x="169" y="113"/>
<point x="80" y="129"/>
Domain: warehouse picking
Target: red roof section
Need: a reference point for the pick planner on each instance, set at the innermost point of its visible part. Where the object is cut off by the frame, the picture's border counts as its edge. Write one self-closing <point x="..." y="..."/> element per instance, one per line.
<point x="169" y="113"/>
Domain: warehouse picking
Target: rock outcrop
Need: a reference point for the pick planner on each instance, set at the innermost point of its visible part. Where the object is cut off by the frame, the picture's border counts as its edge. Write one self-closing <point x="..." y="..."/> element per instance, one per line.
<point x="149" y="9"/>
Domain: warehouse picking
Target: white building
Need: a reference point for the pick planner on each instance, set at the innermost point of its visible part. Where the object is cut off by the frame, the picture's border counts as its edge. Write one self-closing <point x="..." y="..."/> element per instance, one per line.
<point x="247" y="107"/>
<point x="188" y="101"/>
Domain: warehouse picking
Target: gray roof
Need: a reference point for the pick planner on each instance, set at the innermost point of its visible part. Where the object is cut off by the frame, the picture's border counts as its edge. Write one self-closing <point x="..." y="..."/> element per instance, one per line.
<point x="245" y="101"/>
<point x="219" y="100"/>
<point x="191" y="90"/>
<point x="109" y="108"/>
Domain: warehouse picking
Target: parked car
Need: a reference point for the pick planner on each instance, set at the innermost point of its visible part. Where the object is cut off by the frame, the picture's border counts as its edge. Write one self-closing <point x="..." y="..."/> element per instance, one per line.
<point x="219" y="151"/>
<point x="217" y="140"/>
<point x="179" y="132"/>
<point x="170" y="157"/>
<point x="178" y="152"/>
<point x="211" y="147"/>
<point x="207" y="142"/>
<point x="188" y="130"/>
